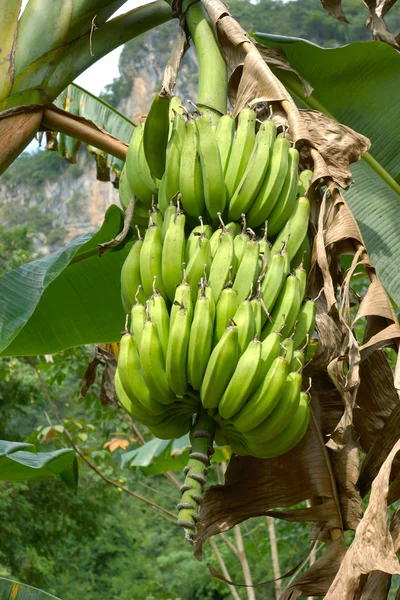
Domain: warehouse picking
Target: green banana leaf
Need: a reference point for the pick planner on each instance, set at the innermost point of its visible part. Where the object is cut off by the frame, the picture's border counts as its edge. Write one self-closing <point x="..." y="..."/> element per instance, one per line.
<point x="69" y="298"/>
<point x="358" y="85"/>
<point x="159" y="456"/>
<point x="43" y="79"/>
<point x="82" y="103"/>
<point x="13" y="590"/>
<point x="19" y="462"/>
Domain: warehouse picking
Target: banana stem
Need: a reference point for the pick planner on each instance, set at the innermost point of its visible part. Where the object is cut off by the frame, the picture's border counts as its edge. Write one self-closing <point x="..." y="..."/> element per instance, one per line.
<point x="213" y="76"/>
<point x="196" y="474"/>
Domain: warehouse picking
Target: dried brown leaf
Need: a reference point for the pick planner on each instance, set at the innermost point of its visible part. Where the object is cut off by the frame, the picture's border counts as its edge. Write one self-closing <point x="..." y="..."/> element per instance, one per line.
<point x="376" y="302"/>
<point x="379" y="450"/>
<point x="380" y="31"/>
<point x="338" y="144"/>
<point x="372" y="548"/>
<point x="108" y="360"/>
<point x="318" y="578"/>
<point x="254" y="486"/>
<point x="334" y="8"/>
<point x="345" y="464"/>
<point x="122" y="235"/>
<point x="343" y="226"/>
<point x="18" y="127"/>
<point x="276" y="58"/>
<point x="376" y="586"/>
<point x="179" y="48"/>
<point x="380" y="339"/>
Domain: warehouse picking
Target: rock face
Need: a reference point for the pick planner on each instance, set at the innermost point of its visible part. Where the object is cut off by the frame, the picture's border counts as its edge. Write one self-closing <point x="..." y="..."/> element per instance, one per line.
<point x="74" y="202"/>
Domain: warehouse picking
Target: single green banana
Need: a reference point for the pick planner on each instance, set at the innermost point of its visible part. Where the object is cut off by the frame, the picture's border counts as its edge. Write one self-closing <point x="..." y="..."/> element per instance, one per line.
<point x="240" y="242"/>
<point x="137" y="170"/>
<point x="224" y="134"/>
<point x="130" y="277"/>
<point x="158" y="313"/>
<point x="287" y="198"/>
<point x="220" y="439"/>
<point x="153" y="364"/>
<point x="272" y="185"/>
<point x="178" y="343"/>
<point x="241" y="383"/>
<point x="270" y="350"/>
<point x="172" y="166"/>
<point x="287" y="349"/>
<point x="274" y="280"/>
<point x="283" y="413"/>
<point x="124" y="189"/>
<point x="264" y="399"/>
<point x="298" y="360"/>
<point x="183" y="296"/>
<point x="305" y="324"/>
<point x="173" y="254"/>
<point x="249" y="185"/>
<point x="213" y="176"/>
<point x="132" y="379"/>
<point x="257" y="312"/>
<point x="138" y="318"/>
<point x="190" y="173"/>
<point x="244" y="320"/>
<point x="286" y="309"/>
<point x="155" y="135"/>
<point x="265" y="250"/>
<point x="172" y="427"/>
<point x="199" y="264"/>
<point x="303" y="254"/>
<point x="150" y="261"/>
<point x="168" y="214"/>
<point x="242" y="147"/>
<point x="194" y="238"/>
<point x="305" y="178"/>
<point x="200" y="341"/>
<point x="163" y="202"/>
<point x="225" y="309"/>
<point x="155" y="218"/>
<point x="205" y="289"/>
<point x="295" y="229"/>
<point x="220" y="368"/>
<point x="289" y="438"/>
<point x="301" y="275"/>
<point x="221" y="264"/>
<point x="247" y="272"/>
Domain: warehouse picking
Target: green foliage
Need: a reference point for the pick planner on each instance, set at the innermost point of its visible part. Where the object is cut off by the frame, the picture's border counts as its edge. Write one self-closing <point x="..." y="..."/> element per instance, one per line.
<point x="34" y="169"/>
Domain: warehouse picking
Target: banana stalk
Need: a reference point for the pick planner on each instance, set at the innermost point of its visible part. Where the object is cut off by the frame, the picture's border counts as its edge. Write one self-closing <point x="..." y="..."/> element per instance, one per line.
<point x="196" y="474"/>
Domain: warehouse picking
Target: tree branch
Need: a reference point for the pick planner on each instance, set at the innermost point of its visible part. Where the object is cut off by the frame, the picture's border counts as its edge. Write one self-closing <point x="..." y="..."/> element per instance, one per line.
<point x="275" y="557"/>
<point x="223" y="568"/>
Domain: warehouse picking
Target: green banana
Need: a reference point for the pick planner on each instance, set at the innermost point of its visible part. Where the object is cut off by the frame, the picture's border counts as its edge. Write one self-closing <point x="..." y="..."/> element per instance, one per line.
<point x="257" y="312"/>
<point x="173" y="254"/>
<point x="138" y="318"/>
<point x="153" y="364"/>
<point x="132" y="379"/>
<point x="163" y="202"/>
<point x="155" y="218"/>
<point x="177" y="351"/>
<point x="130" y="277"/>
<point x="287" y="198"/>
<point x="225" y="309"/>
<point x="305" y="178"/>
<point x="183" y="296"/>
<point x="286" y="309"/>
<point x="158" y="313"/>
<point x="303" y="254"/>
<point x="247" y="272"/>
<point x="212" y="173"/>
<point x="222" y="262"/>
<point x="298" y="360"/>
<point x="290" y="437"/>
<point x="199" y="264"/>
<point x="242" y="147"/>
<point x="220" y="368"/>
<point x="274" y="280"/>
<point x="205" y="289"/>
<point x="283" y="413"/>
<point x="155" y="135"/>
<point x="194" y="237"/>
<point x="241" y="382"/>
<point x="270" y="350"/>
<point x="287" y="349"/>
<point x="305" y="323"/>
<point x="190" y="173"/>
<point x="150" y="261"/>
<point x="272" y="185"/>
<point x="169" y="212"/>
<point x="301" y="275"/>
<point x="295" y="229"/>
<point x="224" y="135"/>
<point x="172" y="427"/>
<point x="172" y="166"/>
<point x="264" y="399"/>
<point x="133" y="408"/>
<point x="256" y="168"/>
<point x="200" y="341"/>
<point x="244" y="319"/>
<point x="124" y="189"/>
<point x="137" y="170"/>
<point x="240" y="242"/>
<point x="265" y="250"/>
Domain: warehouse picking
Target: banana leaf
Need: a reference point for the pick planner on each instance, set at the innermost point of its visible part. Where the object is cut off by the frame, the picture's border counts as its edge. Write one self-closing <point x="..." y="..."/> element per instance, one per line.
<point x="19" y="462"/>
<point x="69" y="298"/>
<point x="82" y="103"/>
<point x="357" y="84"/>
<point x="13" y="590"/>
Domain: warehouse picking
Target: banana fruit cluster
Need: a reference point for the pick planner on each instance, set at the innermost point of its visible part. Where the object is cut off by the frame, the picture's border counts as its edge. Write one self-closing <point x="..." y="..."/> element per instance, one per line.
<point x="218" y="320"/>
